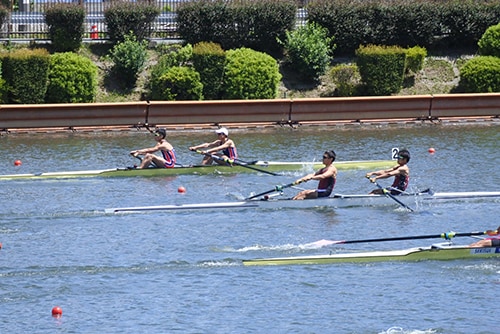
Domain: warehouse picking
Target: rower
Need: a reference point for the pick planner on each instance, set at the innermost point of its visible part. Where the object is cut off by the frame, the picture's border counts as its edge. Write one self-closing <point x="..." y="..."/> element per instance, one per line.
<point x="223" y="145"/>
<point x="401" y="173"/>
<point x="493" y="240"/>
<point x="167" y="160"/>
<point x="326" y="177"/>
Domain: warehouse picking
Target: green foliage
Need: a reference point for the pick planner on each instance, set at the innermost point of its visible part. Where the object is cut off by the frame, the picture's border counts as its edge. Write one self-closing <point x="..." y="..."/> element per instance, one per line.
<point x="72" y="79"/>
<point x="175" y="56"/>
<point x="481" y="75"/>
<point x="250" y="74"/>
<point x="178" y="83"/>
<point x="308" y="51"/>
<point x="129" y="58"/>
<point x="466" y="21"/>
<point x="253" y="24"/>
<point x="208" y="60"/>
<point x="430" y="24"/>
<point x="26" y="74"/>
<point x="489" y="44"/>
<point x="65" y="22"/>
<point x="4" y="12"/>
<point x="381" y="68"/>
<point x="346" y="79"/>
<point x="415" y="57"/>
<point x="3" y="87"/>
<point x="124" y="17"/>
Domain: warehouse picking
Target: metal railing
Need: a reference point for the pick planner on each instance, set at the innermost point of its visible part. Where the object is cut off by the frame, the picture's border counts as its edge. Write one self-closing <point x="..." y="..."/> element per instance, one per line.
<point x="29" y="21"/>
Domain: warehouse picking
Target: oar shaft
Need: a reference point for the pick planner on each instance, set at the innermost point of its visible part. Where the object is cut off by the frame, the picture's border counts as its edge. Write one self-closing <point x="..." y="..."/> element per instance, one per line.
<point x="277" y="188"/>
<point x="245" y="165"/>
<point x="446" y="235"/>
<point x="388" y="194"/>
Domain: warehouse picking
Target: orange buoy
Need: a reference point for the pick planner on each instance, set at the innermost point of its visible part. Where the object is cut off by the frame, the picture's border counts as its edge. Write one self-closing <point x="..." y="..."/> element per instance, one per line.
<point x="18" y="163"/>
<point x="56" y="311"/>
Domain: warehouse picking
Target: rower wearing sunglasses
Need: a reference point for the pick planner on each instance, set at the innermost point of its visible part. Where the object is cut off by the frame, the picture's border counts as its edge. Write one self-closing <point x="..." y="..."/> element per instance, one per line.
<point x="401" y="174"/>
<point x="326" y="177"/>
<point x="167" y="160"/>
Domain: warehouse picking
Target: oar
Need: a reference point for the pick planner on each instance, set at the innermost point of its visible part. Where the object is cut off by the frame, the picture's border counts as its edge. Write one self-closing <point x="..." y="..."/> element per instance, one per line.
<point x="277" y="188"/>
<point x="446" y="235"/>
<point x="231" y="162"/>
<point x="388" y="194"/>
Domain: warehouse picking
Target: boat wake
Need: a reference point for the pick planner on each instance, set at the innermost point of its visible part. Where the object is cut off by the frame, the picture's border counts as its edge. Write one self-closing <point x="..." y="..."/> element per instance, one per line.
<point x="278" y="248"/>
<point x="399" y="330"/>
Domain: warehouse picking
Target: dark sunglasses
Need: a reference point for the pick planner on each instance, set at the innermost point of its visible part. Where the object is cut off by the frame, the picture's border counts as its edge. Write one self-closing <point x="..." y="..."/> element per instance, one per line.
<point x="326" y="157"/>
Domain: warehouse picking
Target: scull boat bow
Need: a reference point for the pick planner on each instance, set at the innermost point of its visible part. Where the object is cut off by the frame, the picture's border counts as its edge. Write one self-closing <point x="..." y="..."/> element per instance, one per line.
<point x="434" y="252"/>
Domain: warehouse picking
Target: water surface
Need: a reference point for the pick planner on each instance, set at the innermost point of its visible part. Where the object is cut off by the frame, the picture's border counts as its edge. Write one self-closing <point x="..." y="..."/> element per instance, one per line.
<point x="164" y="272"/>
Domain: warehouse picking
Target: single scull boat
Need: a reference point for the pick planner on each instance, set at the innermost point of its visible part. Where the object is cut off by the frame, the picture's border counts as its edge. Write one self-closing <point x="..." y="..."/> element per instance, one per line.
<point x="434" y="252"/>
<point x="334" y="201"/>
<point x="265" y="166"/>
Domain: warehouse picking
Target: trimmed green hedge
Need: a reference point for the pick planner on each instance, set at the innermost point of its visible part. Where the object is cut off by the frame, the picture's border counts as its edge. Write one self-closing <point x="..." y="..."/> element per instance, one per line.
<point x="208" y="60"/>
<point x="381" y="68"/>
<point x="234" y="24"/>
<point x="26" y="73"/>
<point x="430" y="24"/>
<point x="65" y="23"/>
<point x="124" y="17"/>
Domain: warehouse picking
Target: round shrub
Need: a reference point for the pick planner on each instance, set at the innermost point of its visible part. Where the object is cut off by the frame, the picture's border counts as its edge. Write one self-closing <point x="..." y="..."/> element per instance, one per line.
<point x="178" y="83"/>
<point x="489" y="44"/>
<point x="72" y="79"/>
<point x="481" y="75"/>
<point x="250" y="74"/>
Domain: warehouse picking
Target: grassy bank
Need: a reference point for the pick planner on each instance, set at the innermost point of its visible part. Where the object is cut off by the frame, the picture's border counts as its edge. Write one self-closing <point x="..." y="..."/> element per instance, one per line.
<point x="439" y="75"/>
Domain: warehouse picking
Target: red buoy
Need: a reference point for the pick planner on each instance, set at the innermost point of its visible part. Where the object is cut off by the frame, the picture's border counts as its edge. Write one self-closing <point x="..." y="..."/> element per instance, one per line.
<point x="18" y="163"/>
<point x="56" y="311"/>
<point x="432" y="150"/>
<point x="181" y="189"/>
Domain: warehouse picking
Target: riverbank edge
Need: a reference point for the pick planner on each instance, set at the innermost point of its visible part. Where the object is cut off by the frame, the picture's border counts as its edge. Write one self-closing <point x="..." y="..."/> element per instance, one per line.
<point x="266" y="126"/>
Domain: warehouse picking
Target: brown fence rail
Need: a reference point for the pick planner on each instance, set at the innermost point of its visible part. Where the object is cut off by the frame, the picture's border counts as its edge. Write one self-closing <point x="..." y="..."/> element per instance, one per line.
<point x="279" y="111"/>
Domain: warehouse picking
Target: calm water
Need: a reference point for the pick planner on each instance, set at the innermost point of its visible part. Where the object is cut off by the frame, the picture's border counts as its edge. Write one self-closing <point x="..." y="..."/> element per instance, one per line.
<point x="181" y="272"/>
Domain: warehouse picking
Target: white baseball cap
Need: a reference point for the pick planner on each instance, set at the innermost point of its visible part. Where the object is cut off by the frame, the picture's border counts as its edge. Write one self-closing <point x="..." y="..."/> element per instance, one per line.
<point x="222" y="130"/>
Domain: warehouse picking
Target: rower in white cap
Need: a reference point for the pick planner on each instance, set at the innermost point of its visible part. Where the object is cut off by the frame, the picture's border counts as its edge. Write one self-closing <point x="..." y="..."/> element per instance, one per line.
<point x="223" y="147"/>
